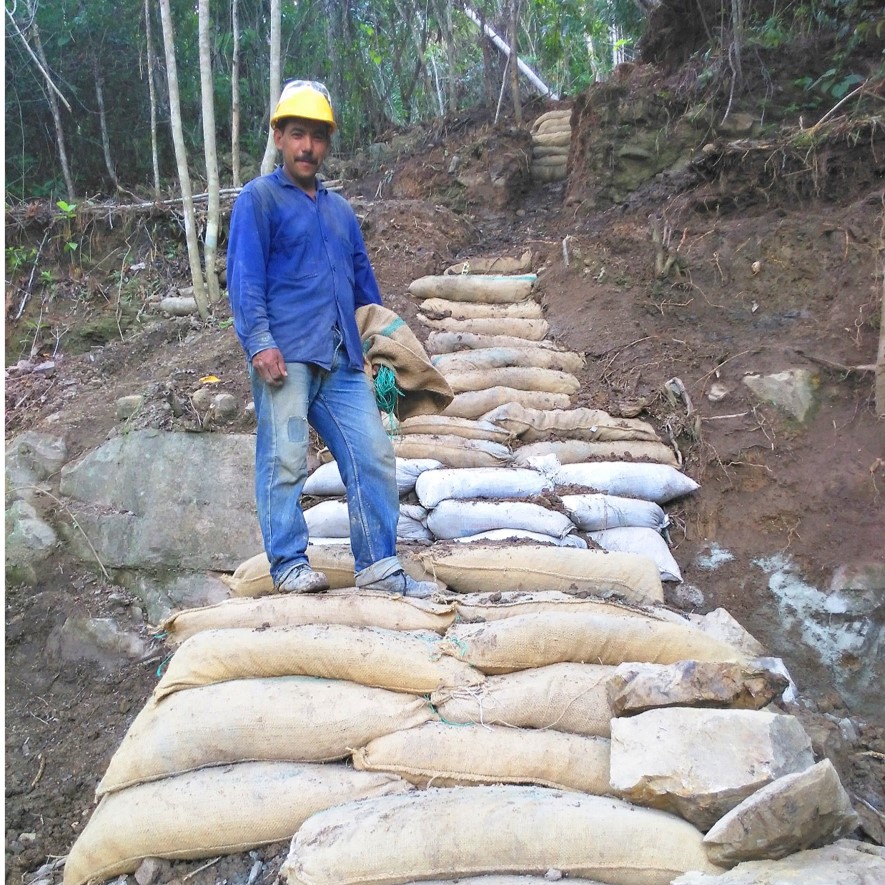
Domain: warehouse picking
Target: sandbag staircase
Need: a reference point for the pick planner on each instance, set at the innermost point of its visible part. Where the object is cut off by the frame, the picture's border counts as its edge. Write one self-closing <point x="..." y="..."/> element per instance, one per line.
<point x="545" y="716"/>
<point x="551" y="141"/>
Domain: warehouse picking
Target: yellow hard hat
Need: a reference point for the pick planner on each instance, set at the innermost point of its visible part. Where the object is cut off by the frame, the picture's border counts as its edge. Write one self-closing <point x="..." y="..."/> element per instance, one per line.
<point x="307" y="99"/>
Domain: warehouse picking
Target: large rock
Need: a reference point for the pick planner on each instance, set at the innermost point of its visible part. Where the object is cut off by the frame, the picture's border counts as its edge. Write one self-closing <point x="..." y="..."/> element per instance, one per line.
<point x="793" y="390"/>
<point x="29" y="541"/>
<point x="845" y="863"/>
<point x="635" y="688"/>
<point x="101" y="640"/>
<point x="722" y="625"/>
<point x="795" y="812"/>
<point x="31" y="459"/>
<point x="160" y="595"/>
<point x="702" y="763"/>
<point x="167" y="500"/>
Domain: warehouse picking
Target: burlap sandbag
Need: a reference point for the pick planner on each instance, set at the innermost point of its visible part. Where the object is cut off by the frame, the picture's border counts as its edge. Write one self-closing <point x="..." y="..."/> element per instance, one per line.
<point x="358" y="608"/>
<point x="531" y="424"/>
<point x="442" y="755"/>
<point x="651" y="482"/>
<point x="449" y="342"/>
<point x="391" y="659"/>
<point x="479" y="403"/>
<point x="505" y="879"/>
<point x="474" y="607"/>
<point x="468" y="287"/>
<point x="388" y="341"/>
<point x="557" y="116"/>
<point x="528" y="357"/>
<point x="437" y="308"/>
<point x="452" y="450"/>
<point x="475" y="568"/>
<point x="570" y="698"/>
<point x="551" y="139"/>
<point x="281" y="719"/>
<point x="476" y="830"/>
<point x="535" y="640"/>
<point x="546" y="174"/>
<point x="467" y="428"/>
<point x="575" y="451"/>
<point x="455" y="519"/>
<point x="549" y="380"/>
<point x="500" y="264"/>
<point x="555" y="162"/>
<point x="530" y="330"/>
<point x="640" y="539"/>
<point x="222" y="810"/>
<point x="560" y="152"/>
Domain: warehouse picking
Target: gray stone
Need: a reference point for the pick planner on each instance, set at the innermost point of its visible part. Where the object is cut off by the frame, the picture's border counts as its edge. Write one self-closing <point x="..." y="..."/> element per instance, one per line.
<point x="153" y="499"/>
<point x="29" y="541"/>
<point x="223" y="408"/>
<point x="721" y="625"/>
<point x="161" y="595"/>
<point x="845" y="863"/>
<point x="96" y="639"/>
<point x="127" y="406"/>
<point x="795" y="812"/>
<point x="32" y="458"/>
<point x="202" y="399"/>
<point x="635" y="688"/>
<point x="679" y="760"/>
<point x="737" y="125"/>
<point x="147" y="871"/>
<point x="793" y="390"/>
<point x="178" y="305"/>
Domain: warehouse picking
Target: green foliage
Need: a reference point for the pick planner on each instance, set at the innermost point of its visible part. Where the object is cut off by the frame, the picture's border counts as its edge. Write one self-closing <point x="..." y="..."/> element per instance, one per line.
<point x="17" y="257"/>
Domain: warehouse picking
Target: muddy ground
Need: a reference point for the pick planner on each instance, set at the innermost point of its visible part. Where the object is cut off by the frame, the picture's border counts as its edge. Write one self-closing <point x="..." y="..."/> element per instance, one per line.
<point x="777" y="269"/>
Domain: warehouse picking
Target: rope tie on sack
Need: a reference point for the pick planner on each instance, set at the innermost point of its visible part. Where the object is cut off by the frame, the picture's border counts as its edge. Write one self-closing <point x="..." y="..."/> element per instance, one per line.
<point x="387" y="395"/>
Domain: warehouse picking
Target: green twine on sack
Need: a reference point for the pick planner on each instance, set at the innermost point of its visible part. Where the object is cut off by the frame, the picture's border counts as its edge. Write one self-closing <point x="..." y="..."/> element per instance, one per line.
<point x="387" y="394"/>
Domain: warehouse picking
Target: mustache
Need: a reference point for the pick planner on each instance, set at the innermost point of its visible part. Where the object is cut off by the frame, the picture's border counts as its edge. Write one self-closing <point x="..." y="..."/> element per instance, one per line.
<point x="306" y="158"/>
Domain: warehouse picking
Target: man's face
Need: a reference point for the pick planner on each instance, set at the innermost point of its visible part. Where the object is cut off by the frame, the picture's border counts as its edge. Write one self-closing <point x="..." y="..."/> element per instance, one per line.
<point x="304" y="145"/>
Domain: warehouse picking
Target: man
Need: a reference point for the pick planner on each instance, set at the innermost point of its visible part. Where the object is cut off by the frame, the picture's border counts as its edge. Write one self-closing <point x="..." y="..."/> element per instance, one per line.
<point x="297" y="270"/>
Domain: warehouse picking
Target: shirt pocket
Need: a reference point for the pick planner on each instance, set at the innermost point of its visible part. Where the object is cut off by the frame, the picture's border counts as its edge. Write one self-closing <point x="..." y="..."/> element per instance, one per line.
<point x="295" y="255"/>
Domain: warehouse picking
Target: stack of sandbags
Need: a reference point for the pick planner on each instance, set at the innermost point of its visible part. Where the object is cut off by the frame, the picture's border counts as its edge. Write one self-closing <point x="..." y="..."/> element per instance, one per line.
<point x="551" y="141"/>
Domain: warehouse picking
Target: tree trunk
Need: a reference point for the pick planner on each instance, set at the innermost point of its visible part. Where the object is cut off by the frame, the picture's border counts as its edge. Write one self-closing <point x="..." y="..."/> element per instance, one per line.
<point x="235" y="96"/>
<point x="514" y="57"/>
<point x="270" y="150"/>
<point x="152" y="92"/>
<point x="103" y="123"/>
<point x="190" y="226"/>
<point x="209" y="149"/>
<point x="451" y="80"/>
<point x="880" y="359"/>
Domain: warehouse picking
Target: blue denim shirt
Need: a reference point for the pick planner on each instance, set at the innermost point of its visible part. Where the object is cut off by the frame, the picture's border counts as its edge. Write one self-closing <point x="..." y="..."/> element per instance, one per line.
<point x="297" y="268"/>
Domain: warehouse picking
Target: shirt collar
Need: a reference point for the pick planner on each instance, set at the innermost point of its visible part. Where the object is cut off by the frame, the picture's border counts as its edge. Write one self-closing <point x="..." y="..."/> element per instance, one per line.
<point x="283" y="179"/>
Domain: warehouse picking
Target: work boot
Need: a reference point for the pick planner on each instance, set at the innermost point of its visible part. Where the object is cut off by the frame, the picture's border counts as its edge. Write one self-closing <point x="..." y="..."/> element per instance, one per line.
<point x="302" y="579"/>
<point x="402" y="584"/>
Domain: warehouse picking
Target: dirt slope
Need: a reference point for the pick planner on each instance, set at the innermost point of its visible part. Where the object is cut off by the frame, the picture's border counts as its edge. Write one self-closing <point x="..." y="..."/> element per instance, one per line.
<point x="778" y="265"/>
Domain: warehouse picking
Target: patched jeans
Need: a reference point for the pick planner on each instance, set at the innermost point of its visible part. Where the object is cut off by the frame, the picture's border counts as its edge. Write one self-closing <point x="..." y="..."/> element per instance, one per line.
<point x="340" y="405"/>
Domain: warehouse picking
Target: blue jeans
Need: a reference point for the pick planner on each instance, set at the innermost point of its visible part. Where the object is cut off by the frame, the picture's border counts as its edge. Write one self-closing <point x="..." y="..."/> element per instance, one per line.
<point x="340" y="405"/>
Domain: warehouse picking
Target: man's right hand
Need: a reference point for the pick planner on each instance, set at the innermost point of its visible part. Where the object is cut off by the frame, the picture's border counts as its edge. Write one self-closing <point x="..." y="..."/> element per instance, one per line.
<point x="271" y="366"/>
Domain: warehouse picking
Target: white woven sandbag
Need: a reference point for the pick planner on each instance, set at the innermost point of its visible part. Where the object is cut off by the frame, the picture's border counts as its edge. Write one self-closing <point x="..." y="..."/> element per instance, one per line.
<point x="448" y="342"/>
<point x="651" y="482"/>
<point x="535" y="640"/>
<point x="326" y="480"/>
<point x="488" y="830"/>
<point x="518" y="535"/>
<point x="464" y="310"/>
<point x="478" y="403"/>
<point x="574" y="451"/>
<point x="467" y="428"/>
<point x="392" y="659"/>
<point x="477" y="568"/>
<point x="522" y="378"/>
<point x="331" y="519"/>
<point x="594" y="513"/>
<point x="637" y="539"/>
<point x="223" y="810"/>
<point x="468" y="287"/>
<point x="478" y="482"/>
<point x="280" y="719"/>
<point x="531" y="330"/>
<point x="567" y="697"/>
<point x="528" y="357"/>
<point x="454" y="519"/>
<point x="452" y="450"/>
<point x="441" y="754"/>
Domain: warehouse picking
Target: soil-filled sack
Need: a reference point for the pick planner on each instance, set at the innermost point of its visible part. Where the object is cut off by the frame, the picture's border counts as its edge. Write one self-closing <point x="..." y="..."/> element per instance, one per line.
<point x="449" y="342"/>
<point x="559" y="152"/>
<point x="535" y="640"/>
<point x="647" y="541"/>
<point x="517" y="536"/>
<point x="556" y="117"/>
<point x="494" y="482"/>
<point x="532" y="423"/>
<point x="499" y="264"/>
<point x="566" y="697"/>
<point x="326" y="482"/>
<point x="392" y="659"/>
<point x="550" y="380"/>
<point x="455" y="519"/>
<point x="548" y="174"/>
<point x="531" y="330"/>
<point x="466" y="428"/>
<point x="528" y="357"/>
<point x="438" y="754"/>
<point x="574" y="451"/>
<point x="476" y="568"/>
<point x="331" y="519"/>
<point x="215" y="811"/>
<point x="594" y="513"/>
<point x="453" y="451"/>
<point x="557" y="160"/>
<point x="651" y="482"/>
<point x="488" y="830"/>
<point x="358" y="608"/>
<point x="281" y="719"/>
<point x="550" y="139"/>
<point x="479" y="403"/>
<point x="439" y="308"/>
<point x="467" y="287"/>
